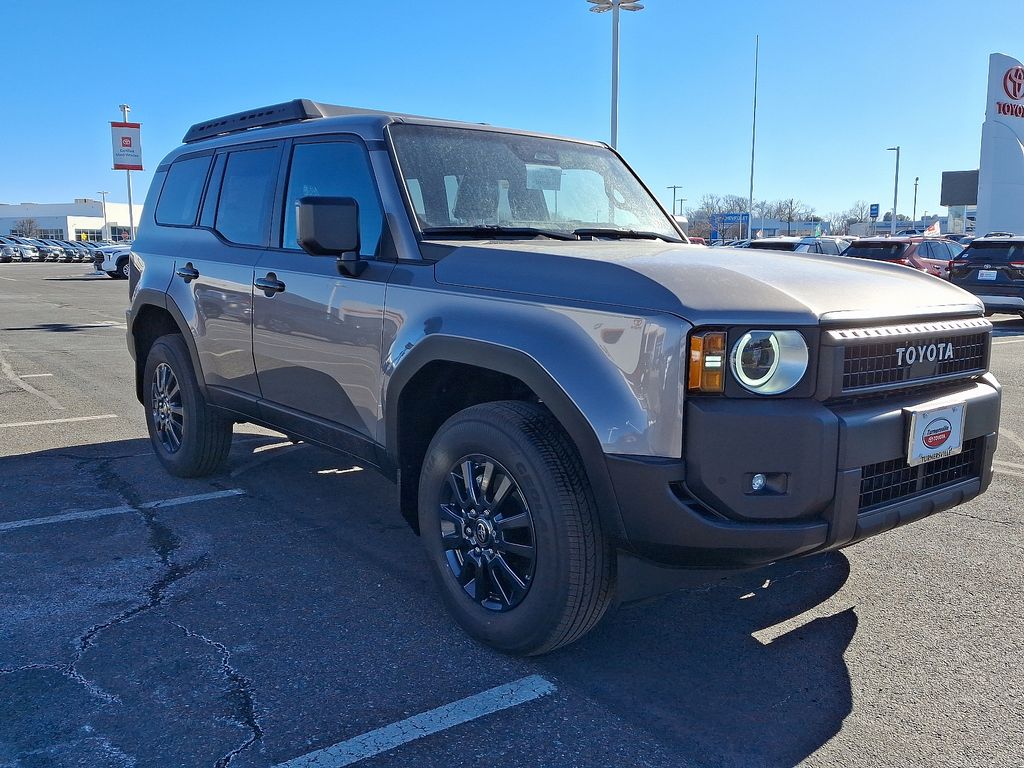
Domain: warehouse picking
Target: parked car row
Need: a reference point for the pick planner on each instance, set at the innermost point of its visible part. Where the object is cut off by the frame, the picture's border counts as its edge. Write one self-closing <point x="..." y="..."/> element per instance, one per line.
<point x="113" y="256"/>
<point x="15" y="248"/>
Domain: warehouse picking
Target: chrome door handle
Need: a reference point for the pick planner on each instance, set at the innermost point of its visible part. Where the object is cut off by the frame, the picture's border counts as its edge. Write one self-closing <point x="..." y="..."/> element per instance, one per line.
<point x="188" y="273"/>
<point x="269" y="284"/>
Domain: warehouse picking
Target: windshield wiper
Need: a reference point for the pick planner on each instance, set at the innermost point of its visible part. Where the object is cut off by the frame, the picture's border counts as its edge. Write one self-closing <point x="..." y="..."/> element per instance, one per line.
<point x="498" y="229"/>
<point x="623" y="234"/>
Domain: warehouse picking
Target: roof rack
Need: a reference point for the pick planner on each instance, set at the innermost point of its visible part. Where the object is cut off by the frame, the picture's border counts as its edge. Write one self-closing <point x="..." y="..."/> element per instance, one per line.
<point x="278" y="114"/>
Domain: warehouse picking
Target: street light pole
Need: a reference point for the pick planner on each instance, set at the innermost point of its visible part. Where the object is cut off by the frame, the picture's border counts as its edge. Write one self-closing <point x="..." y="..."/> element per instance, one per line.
<point x="105" y="234"/>
<point x="674" y="188"/>
<point x="601" y="6"/>
<point x="895" y="189"/>
<point x="916" y="179"/>
<point x="125" y="109"/>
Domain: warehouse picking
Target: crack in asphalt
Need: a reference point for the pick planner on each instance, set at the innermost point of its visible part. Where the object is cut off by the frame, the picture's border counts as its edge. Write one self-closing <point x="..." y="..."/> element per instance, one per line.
<point x="240" y="693"/>
<point x="1009" y="523"/>
<point x="163" y="541"/>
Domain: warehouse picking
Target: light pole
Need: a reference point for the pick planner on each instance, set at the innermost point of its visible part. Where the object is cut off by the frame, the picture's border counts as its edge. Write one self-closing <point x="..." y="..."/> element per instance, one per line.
<point x="895" y="189"/>
<point x="104" y="234"/>
<point x="125" y="109"/>
<point x="600" y="6"/>
<point x="916" y="179"/>
<point x="674" y="188"/>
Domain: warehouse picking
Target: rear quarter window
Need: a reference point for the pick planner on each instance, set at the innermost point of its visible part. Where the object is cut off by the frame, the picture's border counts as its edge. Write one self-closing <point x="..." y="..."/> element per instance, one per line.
<point x="182" y="191"/>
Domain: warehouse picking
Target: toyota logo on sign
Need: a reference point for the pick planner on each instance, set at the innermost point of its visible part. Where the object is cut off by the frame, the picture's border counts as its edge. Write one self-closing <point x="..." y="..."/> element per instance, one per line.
<point x="1013" y="82"/>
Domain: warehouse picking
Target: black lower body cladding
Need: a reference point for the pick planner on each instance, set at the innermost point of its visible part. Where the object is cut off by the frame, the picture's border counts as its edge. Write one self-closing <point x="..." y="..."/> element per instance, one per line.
<point x="835" y="475"/>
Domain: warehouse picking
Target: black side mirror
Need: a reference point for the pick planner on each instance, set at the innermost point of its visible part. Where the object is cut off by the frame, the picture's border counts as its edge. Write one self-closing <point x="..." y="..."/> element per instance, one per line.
<point x="329" y="226"/>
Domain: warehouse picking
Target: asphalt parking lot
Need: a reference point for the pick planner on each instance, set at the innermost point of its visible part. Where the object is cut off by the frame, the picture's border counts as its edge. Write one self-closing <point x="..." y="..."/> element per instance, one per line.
<point x="282" y="608"/>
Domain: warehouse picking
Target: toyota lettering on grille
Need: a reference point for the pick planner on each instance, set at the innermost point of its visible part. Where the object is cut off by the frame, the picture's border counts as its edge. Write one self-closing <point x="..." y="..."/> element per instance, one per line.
<point x="918" y="353"/>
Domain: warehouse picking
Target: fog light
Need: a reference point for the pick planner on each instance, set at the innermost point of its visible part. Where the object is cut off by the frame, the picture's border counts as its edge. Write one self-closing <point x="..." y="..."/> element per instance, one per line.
<point x="758" y="482"/>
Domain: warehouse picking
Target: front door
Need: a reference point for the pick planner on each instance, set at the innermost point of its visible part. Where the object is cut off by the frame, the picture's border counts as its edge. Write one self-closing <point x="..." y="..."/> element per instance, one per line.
<point x="317" y="333"/>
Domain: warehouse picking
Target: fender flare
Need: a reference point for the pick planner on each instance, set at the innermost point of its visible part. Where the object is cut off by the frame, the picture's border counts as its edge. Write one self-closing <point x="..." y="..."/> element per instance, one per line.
<point x="519" y="365"/>
<point x="153" y="298"/>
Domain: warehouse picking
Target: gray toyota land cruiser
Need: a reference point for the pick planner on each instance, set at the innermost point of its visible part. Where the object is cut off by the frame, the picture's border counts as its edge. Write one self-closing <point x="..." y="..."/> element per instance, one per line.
<point x="578" y="407"/>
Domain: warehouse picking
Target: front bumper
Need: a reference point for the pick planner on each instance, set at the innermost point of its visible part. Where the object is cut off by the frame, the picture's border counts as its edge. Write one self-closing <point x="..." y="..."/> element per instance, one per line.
<point x="701" y="512"/>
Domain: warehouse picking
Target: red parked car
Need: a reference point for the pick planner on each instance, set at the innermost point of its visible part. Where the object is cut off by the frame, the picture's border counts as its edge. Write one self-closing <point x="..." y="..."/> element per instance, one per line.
<point x="929" y="254"/>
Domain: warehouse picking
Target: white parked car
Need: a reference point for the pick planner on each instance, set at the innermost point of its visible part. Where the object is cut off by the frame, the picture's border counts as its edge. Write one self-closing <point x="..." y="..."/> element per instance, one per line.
<point x="115" y="260"/>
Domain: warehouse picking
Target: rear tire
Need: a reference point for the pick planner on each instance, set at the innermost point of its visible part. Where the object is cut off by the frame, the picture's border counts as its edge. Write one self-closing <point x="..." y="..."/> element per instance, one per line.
<point x="189" y="437"/>
<point x="561" y="559"/>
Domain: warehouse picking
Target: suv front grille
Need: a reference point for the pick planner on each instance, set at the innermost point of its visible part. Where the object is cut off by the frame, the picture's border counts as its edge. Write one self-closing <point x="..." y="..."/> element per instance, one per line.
<point x="875" y="365"/>
<point x="888" y="357"/>
<point x="890" y="481"/>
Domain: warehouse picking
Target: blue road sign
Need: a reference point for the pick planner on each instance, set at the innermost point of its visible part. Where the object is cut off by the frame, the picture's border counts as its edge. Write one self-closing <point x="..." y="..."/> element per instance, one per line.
<point x="874" y="211"/>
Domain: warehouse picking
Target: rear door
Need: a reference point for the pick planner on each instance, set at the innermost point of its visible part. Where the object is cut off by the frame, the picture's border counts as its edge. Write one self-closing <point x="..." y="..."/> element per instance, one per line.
<point x="317" y="336"/>
<point x="215" y="261"/>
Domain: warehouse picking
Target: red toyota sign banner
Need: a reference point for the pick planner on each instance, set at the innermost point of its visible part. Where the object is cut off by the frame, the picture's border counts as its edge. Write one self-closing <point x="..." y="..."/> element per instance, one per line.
<point x="127" y="144"/>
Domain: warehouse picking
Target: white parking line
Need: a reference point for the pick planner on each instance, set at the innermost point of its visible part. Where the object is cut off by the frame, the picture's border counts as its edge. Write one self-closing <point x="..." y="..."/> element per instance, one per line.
<point x="425" y="724"/>
<point x="33" y="375"/>
<point x="10" y="375"/>
<point x="1009" y="341"/>
<point x="121" y="510"/>
<point x="58" y="421"/>
<point x="1009" y="464"/>
<point x="9" y="278"/>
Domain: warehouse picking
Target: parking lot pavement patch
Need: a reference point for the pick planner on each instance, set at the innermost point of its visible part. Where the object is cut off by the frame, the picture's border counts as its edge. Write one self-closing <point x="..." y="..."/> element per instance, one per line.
<point x="425" y="724"/>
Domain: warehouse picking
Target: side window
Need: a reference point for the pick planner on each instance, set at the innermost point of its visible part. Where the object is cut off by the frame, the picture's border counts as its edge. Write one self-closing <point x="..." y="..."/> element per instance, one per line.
<point x="183" y="188"/>
<point x="926" y="251"/>
<point x="830" y="247"/>
<point x="246" y="196"/>
<point x="334" y="169"/>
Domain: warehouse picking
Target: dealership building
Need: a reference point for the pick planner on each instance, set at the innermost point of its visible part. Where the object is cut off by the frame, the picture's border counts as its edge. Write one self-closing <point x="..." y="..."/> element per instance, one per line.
<point x="81" y="220"/>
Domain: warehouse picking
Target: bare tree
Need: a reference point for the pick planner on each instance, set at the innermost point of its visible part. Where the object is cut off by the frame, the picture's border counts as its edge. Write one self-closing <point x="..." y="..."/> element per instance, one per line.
<point x="27" y="227"/>
<point x="839" y="223"/>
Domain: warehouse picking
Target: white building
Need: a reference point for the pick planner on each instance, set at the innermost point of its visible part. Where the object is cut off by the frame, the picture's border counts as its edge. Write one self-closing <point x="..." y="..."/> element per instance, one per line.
<point x="80" y="220"/>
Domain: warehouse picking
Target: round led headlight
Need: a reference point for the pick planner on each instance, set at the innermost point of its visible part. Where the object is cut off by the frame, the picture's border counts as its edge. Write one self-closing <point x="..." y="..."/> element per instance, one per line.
<point x="769" y="362"/>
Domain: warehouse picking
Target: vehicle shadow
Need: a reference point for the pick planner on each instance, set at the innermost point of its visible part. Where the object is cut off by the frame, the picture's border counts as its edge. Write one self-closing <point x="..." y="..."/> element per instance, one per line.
<point x="60" y="327"/>
<point x="1007" y="325"/>
<point x="709" y="673"/>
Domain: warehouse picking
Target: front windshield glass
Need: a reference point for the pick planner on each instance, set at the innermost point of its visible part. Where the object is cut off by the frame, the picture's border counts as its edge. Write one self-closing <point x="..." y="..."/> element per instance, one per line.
<point x="469" y="179"/>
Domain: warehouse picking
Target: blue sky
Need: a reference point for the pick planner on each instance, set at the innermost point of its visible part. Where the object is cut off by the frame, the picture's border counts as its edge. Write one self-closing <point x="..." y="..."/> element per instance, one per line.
<point x="839" y="82"/>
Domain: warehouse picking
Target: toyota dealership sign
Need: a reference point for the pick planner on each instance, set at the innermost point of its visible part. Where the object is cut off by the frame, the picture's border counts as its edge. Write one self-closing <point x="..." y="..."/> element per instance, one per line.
<point x="1001" y="173"/>
<point x="127" y="144"/>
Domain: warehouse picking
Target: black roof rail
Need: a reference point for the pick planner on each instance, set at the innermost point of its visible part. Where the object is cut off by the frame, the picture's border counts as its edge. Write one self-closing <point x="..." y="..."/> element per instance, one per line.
<point x="276" y="114"/>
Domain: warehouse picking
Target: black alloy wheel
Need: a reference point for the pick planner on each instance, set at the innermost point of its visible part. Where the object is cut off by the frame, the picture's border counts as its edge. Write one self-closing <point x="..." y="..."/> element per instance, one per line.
<point x="166" y="409"/>
<point x="190" y="438"/>
<point x="487" y="532"/>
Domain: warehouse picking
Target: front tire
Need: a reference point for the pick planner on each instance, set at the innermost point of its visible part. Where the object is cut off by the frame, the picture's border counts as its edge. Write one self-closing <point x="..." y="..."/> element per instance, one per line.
<point x="190" y="439"/>
<point x="122" y="270"/>
<point x="511" y="529"/>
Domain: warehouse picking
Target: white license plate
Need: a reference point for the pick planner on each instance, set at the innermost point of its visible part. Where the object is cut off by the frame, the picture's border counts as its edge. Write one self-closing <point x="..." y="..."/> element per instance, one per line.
<point x="935" y="432"/>
<point x="986" y="274"/>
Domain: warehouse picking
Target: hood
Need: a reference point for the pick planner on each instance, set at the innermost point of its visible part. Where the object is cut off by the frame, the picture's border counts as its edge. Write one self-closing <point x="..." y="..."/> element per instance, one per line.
<point x="706" y="286"/>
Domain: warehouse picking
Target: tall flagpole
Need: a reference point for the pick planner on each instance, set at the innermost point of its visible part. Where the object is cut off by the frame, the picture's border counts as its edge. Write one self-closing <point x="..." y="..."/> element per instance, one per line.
<point x="753" y="139"/>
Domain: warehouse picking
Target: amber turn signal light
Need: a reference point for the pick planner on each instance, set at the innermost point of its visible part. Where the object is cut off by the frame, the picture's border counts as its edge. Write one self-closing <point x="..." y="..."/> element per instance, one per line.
<point x="707" y="362"/>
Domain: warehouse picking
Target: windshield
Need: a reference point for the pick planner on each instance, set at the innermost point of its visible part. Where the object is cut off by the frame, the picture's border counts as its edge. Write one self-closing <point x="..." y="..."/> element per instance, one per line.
<point x="471" y="179"/>
<point x="879" y="251"/>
